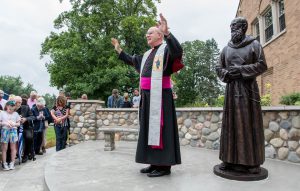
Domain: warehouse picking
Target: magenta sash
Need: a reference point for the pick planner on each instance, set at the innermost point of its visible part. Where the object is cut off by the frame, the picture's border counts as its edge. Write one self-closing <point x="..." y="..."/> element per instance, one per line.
<point x="146" y="83"/>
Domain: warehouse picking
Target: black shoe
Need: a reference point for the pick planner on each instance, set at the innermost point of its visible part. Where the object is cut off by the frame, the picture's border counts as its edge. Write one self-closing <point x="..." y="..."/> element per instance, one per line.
<point x="147" y="169"/>
<point x="24" y="159"/>
<point x="39" y="153"/>
<point x="33" y="159"/>
<point x="43" y="149"/>
<point x="158" y="173"/>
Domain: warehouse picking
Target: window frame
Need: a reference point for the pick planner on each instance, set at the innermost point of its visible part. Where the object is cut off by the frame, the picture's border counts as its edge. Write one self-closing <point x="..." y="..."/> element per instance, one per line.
<point x="268" y="29"/>
<point x="281" y="15"/>
<point x="276" y="27"/>
<point x="256" y="29"/>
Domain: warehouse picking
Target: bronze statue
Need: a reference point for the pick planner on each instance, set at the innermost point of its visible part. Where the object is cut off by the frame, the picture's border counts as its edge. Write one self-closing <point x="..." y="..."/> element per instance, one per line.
<point x="242" y="147"/>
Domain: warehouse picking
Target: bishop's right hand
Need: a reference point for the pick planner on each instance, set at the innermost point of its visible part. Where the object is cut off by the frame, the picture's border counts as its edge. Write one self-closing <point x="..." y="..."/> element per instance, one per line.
<point x="116" y="44"/>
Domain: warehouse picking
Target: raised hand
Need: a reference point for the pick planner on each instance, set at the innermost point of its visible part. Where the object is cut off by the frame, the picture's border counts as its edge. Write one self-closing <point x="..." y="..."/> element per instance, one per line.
<point x="116" y="44"/>
<point x="163" y="25"/>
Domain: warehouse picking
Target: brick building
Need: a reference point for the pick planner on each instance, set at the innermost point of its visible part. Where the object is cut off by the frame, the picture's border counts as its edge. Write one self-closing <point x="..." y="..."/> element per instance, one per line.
<point x="276" y="24"/>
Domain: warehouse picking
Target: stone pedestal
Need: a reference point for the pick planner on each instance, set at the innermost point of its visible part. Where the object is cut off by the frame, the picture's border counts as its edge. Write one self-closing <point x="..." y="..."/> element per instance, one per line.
<point x="239" y="175"/>
<point x="109" y="138"/>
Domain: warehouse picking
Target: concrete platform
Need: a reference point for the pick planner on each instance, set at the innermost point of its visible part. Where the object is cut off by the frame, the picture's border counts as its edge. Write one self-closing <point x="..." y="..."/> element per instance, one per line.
<point x="28" y="176"/>
<point x="88" y="167"/>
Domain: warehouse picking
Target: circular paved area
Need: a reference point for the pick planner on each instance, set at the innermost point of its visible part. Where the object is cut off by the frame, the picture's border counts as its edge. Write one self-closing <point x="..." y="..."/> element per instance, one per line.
<point x="88" y="167"/>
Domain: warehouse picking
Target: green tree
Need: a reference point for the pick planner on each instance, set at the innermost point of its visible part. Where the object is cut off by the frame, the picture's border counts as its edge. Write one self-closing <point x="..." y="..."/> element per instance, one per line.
<point x="82" y="58"/>
<point x="50" y="100"/>
<point x="197" y="81"/>
<point x="15" y="85"/>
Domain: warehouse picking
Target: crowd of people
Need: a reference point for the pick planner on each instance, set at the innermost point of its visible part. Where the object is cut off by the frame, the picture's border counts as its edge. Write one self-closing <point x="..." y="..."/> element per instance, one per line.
<point x="118" y="101"/>
<point x="24" y="121"/>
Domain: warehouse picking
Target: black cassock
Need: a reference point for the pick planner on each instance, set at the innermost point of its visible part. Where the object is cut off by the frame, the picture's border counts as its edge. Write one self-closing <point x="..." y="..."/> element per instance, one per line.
<point x="242" y="137"/>
<point x="170" y="154"/>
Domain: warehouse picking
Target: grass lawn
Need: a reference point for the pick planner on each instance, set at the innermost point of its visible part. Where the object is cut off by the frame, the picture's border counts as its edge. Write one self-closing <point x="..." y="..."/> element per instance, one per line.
<point x="50" y="137"/>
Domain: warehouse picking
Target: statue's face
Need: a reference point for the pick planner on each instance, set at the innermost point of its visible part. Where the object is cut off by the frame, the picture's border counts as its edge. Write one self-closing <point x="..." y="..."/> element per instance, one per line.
<point x="235" y="25"/>
<point x="237" y="33"/>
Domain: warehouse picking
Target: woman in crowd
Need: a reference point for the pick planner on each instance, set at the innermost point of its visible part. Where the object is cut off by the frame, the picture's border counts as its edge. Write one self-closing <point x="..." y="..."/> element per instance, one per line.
<point x="41" y="115"/>
<point x="59" y="114"/>
<point x="26" y="121"/>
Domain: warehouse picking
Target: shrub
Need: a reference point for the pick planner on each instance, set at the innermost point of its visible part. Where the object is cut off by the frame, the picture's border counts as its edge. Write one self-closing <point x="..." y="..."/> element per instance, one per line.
<point x="265" y="100"/>
<point x="290" y="99"/>
<point x="197" y="104"/>
<point x="219" y="101"/>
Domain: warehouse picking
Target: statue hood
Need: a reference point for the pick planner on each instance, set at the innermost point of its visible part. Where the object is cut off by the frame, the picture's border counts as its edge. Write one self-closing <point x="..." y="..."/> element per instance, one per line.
<point x="247" y="40"/>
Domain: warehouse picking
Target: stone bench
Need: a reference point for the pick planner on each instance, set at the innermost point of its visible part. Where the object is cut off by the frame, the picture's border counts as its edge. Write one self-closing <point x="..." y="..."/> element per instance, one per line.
<point x="109" y="135"/>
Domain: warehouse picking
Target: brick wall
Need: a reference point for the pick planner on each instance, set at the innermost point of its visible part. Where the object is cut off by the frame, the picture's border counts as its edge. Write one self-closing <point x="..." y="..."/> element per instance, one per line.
<point x="283" y="53"/>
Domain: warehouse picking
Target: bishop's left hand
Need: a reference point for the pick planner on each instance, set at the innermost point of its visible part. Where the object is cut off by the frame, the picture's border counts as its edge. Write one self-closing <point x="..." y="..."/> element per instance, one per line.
<point x="163" y="25"/>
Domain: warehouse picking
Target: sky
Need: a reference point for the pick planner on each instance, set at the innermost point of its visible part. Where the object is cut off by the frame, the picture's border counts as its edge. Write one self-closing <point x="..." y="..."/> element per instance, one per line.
<point x="24" y="25"/>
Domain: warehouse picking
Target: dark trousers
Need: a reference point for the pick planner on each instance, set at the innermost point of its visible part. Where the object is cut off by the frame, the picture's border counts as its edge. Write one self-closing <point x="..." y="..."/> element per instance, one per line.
<point x="67" y="134"/>
<point x="60" y="133"/>
<point x="28" y="142"/>
<point x="37" y="139"/>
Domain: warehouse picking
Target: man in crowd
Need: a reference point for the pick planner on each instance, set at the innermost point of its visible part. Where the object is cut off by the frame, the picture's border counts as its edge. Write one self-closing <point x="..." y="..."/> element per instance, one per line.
<point x="115" y="100"/>
<point x="32" y="99"/>
<point x="136" y="98"/>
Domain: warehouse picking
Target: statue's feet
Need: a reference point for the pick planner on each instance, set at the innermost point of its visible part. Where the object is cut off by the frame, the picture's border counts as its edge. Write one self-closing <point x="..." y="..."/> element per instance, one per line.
<point x="224" y="166"/>
<point x="254" y="170"/>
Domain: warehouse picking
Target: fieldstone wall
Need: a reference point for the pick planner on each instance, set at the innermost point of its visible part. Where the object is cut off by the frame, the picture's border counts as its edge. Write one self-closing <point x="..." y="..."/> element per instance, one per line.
<point x="201" y="127"/>
<point x="83" y="120"/>
<point x="198" y="127"/>
<point x="126" y="118"/>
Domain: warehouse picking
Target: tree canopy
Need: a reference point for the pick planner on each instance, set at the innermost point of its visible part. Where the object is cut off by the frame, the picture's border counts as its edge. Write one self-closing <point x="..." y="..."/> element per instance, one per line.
<point x="82" y="58"/>
<point x="15" y="85"/>
<point x="197" y="82"/>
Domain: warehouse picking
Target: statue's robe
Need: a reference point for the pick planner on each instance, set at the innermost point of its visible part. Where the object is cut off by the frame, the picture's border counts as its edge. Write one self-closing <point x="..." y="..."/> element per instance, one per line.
<point x="242" y="135"/>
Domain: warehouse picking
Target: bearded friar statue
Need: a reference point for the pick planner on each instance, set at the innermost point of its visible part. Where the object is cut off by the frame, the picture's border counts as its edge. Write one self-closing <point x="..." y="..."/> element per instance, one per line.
<point x="242" y="143"/>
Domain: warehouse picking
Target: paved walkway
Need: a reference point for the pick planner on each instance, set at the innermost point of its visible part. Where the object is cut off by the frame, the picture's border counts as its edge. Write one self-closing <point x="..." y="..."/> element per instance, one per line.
<point x="28" y="176"/>
<point x="87" y="167"/>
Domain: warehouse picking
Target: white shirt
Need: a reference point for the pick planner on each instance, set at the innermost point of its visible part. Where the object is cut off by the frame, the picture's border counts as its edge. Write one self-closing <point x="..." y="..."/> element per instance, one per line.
<point x="136" y="101"/>
<point x="3" y="102"/>
<point x="5" y="117"/>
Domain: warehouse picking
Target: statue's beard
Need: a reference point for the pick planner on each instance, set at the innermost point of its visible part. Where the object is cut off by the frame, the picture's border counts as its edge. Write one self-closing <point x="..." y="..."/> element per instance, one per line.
<point x="237" y="36"/>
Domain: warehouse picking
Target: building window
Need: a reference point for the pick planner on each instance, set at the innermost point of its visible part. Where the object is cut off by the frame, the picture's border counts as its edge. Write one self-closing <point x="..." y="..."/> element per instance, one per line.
<point x="281" y="15"/>
<point x="256" y="30"/>
<point x="268" y="25"/>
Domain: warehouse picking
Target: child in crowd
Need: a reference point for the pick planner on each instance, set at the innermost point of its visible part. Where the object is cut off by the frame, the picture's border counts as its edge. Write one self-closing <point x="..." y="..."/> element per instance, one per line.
<point x="126" y="103"/>
<point x="10" y="121"/>
<point x="59" y="114"/>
